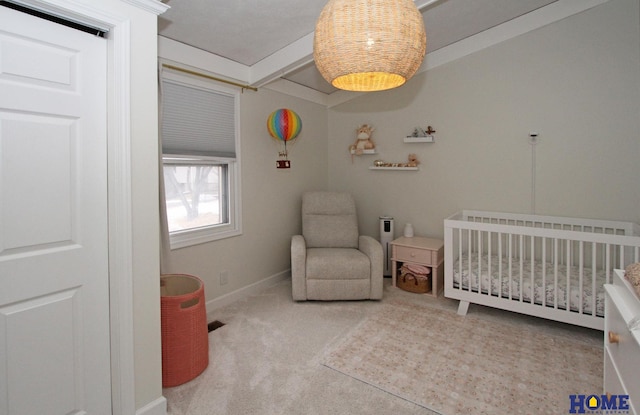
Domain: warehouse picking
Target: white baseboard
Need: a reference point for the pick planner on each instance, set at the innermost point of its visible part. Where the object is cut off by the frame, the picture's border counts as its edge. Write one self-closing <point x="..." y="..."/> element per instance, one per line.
<point x="244" y="292"/>
<point x="157" y="407"/>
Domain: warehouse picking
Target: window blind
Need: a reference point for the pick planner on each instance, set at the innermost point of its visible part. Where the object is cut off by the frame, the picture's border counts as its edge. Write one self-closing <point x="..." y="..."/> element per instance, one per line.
<point x="197" y="121"/>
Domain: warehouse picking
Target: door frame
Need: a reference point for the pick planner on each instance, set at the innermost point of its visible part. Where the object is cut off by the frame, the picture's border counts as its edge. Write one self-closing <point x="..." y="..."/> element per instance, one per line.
<point x="118" y="181"/>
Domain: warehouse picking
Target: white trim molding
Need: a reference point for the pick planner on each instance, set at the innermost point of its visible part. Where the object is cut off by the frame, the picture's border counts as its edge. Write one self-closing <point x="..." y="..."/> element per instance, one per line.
<point x="520" y="25"/>
<point x="120" y="222"/>
<point x="71" y="11"/>
<point x="152" y="6"/>
<point x="171" y="51"/>
<point x="249" y="290"/>
<point x="287" y="59"/>
<point x="157" y="407"/>
<point x="300" y="91"/>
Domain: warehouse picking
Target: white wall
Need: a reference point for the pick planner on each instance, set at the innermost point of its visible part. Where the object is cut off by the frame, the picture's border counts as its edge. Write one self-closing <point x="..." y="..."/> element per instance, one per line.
<point x="270" y="196"/>
<point x="576" y="82"/>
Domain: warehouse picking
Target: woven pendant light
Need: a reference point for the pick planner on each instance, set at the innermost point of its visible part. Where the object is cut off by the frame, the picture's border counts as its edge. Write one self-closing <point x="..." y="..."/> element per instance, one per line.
<point x="369" y="45"/>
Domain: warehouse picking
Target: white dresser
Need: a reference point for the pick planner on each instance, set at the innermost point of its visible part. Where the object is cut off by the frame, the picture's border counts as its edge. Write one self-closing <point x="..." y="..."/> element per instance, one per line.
<point x="622" y="341"/>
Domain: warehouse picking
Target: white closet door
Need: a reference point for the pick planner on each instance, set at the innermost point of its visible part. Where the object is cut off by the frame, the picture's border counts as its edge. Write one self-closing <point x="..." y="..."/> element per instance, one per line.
<point x="54" y="286"/>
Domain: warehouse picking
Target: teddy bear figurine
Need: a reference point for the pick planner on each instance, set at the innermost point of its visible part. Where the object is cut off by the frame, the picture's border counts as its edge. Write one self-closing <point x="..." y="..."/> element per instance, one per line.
<point x="412" y="160"/>
<point x="363" y="140"/>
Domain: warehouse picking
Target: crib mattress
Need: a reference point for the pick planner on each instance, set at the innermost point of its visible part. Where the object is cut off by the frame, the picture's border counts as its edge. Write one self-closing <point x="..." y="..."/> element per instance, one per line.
<point x="545" y="290"/>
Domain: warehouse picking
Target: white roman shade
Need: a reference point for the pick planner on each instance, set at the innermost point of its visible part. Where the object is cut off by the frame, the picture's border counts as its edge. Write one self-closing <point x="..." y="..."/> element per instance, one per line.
<point x="197" y="121"/>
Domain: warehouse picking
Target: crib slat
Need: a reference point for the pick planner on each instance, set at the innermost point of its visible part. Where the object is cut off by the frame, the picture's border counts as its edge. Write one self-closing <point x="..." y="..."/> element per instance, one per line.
<point x="510" y="278"/>
<point x="460" y="256"/>
<point x="500" y="265"/>
<point x="521" y="267"/>
<point x="489" y="265"/>
<point x="608" y="263"/>
<point x="544" y="271"/>
<point x="469" y="240"/>
<point x="594" y="276"/>
<point x="555" y="273"/>
<point x="531" y="260"/>
<point x="581" y="275"/>
<point x="568" y="267"/>
<point x="479" y="251"/>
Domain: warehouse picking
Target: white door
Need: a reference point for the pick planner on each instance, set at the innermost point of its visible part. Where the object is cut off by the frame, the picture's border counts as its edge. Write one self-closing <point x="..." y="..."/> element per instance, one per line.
<point x="54" y="286"/>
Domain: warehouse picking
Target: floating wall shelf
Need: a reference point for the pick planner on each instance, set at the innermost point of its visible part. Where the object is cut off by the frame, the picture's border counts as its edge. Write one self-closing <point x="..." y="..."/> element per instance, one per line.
<point x="394" y="168"/>
<point x="423" y="139"/>
<point x="364" y="152"/>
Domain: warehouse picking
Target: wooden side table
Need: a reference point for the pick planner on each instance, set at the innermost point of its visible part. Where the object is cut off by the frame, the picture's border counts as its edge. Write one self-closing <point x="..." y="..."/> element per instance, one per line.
<point x="422" y="251"/>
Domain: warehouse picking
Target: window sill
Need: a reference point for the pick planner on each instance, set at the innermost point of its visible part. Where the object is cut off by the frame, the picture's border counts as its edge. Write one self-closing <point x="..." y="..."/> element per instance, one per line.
<point x="201" y="236"/>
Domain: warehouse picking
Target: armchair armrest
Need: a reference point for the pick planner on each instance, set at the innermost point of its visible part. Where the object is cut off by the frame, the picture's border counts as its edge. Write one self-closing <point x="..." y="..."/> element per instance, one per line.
<point x="371" y="247"/>
<point x="298" y="268"/>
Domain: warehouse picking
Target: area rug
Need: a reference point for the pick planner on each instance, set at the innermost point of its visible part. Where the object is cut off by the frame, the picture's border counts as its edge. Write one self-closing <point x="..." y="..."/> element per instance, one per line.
<point x="467" y="365"/>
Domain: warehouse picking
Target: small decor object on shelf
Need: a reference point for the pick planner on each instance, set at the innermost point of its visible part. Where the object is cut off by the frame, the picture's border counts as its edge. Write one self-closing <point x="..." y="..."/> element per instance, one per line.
<point x="420" y="135"/>
<point x="411" y="164"/>
<point x="419" y="132"/>
<point x="412" y="160"/>
<point x="284" y="125"/>
<point x="408" y="230"/>
<point x="364" y="144"/>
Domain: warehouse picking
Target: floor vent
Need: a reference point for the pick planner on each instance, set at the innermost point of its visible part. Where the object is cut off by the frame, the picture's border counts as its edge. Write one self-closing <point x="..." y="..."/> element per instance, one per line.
<point x="214" y="325"/>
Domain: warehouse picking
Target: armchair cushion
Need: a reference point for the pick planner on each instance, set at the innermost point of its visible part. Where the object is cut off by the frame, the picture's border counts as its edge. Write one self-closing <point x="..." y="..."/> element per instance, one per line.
<point x="329" y="220"/>
<point x="337" y="264"/>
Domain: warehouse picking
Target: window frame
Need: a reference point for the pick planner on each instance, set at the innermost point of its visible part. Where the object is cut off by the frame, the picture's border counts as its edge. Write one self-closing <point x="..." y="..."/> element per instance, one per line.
<point x="195" y="236"/>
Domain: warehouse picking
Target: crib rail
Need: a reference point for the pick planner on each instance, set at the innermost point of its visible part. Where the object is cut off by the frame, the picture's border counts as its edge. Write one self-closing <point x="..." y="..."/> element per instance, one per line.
<point x="546" y="266"/>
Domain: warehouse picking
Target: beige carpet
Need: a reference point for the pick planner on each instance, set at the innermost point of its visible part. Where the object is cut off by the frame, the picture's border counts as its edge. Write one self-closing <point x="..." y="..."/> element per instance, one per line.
<point x="467" y="365"/>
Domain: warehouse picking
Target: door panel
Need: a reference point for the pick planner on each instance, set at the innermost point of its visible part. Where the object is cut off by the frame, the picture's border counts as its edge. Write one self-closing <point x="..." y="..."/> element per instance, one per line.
<point x="54" y="286"/>
<point x="52" y="321"/>
<point x="23" y="60"/>
<point x="46" y="142"/>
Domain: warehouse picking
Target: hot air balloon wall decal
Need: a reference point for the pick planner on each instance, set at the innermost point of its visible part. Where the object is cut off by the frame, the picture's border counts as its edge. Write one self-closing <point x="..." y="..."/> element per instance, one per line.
<point x="284" y="125"/>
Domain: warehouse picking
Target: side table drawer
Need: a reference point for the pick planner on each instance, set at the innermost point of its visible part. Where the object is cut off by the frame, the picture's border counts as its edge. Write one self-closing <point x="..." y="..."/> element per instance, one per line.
<point x="423" y="256"/>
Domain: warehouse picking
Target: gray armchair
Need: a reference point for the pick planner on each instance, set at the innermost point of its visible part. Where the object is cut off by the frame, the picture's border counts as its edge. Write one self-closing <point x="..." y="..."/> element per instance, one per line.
<point x="331" y="260"/>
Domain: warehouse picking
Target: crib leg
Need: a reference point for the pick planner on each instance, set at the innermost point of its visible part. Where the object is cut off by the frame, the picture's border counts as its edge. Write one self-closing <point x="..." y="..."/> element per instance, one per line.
<point x="463" y="307"/>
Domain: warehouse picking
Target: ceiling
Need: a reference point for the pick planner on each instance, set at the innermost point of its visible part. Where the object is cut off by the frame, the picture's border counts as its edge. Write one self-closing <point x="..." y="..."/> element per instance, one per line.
<point x="274" y="37"/>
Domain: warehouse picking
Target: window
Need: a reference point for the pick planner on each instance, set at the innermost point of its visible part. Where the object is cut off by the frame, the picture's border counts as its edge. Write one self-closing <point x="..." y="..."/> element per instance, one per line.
<point x="199" y="157"/>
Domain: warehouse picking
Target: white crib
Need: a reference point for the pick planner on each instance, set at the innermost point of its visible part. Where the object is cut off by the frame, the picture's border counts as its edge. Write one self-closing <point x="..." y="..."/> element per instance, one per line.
<point x="545" y="266"/>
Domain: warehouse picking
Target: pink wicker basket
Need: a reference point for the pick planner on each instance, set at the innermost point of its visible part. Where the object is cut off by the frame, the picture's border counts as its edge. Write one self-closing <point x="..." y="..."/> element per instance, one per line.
<point x="185" y="337"/>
